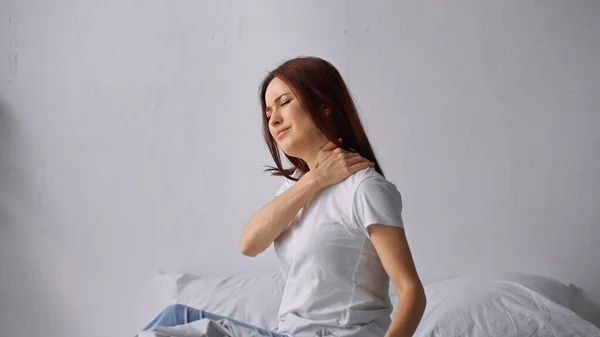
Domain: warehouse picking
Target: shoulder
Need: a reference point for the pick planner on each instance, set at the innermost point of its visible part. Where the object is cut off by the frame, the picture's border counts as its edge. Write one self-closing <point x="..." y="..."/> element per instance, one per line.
<point x="364" y="183"/>
<point x="369" y="186"/>
<point x="374" y="200"/>
<point x="368" y="178"/>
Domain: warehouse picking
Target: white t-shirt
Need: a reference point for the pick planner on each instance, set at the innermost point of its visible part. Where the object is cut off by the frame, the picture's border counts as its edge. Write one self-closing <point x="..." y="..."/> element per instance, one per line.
<point x="335" y="282"/>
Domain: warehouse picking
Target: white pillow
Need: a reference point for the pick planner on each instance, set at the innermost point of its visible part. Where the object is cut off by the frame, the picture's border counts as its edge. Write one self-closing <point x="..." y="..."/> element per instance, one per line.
<point x="549" y="287"/>
<point x="483" y="306"/>
<point x="250" y="298"/>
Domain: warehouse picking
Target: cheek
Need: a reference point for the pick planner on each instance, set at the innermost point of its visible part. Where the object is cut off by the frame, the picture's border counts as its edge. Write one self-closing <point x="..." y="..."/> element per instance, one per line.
<point x="309" y="129"/>
<point x="300" y="118"/>
<point x="303" y="126"/>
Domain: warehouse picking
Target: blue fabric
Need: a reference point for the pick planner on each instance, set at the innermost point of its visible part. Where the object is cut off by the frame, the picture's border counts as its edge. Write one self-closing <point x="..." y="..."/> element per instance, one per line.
<point x="177" y="314"/>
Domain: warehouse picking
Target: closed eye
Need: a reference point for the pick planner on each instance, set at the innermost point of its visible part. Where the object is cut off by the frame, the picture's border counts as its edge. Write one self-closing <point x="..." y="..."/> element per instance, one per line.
<point x="282" y="104"/>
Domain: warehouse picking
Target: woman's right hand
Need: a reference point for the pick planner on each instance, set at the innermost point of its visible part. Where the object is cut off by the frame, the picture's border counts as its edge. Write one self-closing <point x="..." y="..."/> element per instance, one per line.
<point x="334" y="164"/>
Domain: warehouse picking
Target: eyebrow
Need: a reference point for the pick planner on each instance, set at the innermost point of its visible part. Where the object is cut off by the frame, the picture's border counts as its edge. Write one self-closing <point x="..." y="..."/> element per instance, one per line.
<point x="276" y="100"/>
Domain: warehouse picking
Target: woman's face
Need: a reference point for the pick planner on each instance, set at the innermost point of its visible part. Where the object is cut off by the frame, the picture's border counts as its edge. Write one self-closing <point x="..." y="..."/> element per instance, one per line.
<point x="289" y="124"/>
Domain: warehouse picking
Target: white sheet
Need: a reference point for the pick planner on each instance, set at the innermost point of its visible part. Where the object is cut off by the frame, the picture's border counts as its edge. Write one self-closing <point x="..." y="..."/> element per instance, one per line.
<point x="250" y="298"/>
<point x="202" y="328"/>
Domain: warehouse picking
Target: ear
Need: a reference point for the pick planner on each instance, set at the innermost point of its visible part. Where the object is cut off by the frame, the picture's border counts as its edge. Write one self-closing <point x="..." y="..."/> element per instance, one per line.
<point x="327" y="111"/>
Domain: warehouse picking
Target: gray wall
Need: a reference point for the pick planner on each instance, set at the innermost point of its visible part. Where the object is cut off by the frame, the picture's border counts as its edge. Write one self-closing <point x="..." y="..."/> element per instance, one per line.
<point x="130" y="140"/>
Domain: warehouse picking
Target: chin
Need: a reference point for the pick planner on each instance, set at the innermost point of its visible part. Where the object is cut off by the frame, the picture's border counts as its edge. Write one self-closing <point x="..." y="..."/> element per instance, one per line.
<point x="288" y="152"/>
<point x="288" y="149"/>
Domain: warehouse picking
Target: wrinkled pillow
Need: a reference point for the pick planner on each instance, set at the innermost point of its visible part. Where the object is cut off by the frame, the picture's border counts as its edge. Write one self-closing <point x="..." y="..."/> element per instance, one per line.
<point x="250" y="298"/>
<point x="483" y="306"/>
<point x="549" y="287"/>
<point x="546" y="286"/>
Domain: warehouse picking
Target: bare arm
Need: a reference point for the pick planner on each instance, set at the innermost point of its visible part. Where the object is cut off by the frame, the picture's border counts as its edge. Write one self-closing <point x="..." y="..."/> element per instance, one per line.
<point x="392" y="247"/>
<point x="332" y="166"/>
<point x="270" y="221"/>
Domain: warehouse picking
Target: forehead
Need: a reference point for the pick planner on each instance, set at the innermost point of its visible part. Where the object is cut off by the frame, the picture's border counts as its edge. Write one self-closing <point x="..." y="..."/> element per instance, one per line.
<point x="275" y="89"/>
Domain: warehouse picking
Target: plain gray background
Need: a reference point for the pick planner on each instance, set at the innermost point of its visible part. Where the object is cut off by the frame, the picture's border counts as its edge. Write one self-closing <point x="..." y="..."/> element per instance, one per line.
<point x="131" y="141"/>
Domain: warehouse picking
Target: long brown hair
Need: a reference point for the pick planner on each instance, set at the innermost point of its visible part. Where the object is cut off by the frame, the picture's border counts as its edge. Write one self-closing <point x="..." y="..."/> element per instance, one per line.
<point x="318" y="85"/>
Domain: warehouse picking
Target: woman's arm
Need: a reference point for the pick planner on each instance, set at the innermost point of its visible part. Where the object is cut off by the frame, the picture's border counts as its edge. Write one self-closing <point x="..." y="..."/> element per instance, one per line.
<point x="410" y="307"/>
<point x="270" y="221"/>
<point x="332" y="165"/>
<point x="392" y="247"/>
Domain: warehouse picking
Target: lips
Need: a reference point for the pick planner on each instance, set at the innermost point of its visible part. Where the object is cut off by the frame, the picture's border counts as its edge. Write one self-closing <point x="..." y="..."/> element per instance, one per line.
<point x="280" y="131"/>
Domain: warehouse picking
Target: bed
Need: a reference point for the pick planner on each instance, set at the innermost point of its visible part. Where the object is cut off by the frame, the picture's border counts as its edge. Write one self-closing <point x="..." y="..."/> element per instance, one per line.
<point x="507" y="304"/>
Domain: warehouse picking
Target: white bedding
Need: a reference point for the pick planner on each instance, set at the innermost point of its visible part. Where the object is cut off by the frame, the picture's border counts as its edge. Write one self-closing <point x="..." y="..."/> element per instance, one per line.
<point x="464" y="306"/>
<point x="202" y="328"/>
<point x="480" y="307"/>
<point x="253" y="299"/>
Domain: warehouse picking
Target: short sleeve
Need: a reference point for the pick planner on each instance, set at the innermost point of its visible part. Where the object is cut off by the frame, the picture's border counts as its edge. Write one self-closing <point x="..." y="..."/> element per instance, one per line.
<point x="287" y="183"/>
<point x="284" y="187"/>
<point x="376" y="201"/>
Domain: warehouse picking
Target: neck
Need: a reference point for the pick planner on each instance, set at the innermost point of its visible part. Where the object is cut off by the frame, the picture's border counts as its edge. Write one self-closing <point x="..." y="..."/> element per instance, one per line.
<point x="310" y="161"/>
<point x="310" y="157"/>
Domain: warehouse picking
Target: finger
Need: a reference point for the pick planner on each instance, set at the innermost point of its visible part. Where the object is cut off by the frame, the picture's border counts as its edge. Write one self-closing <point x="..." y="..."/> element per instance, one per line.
<point x="360" y="166"/>
<point x="348" y="149"/>
<point x="355" y="159"/>
<point x="348" y="154"/>
<point x="330" y="146"/>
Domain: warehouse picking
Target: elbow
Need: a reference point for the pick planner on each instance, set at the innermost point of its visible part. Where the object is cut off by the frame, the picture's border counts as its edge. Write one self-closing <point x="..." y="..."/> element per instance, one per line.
<point x="246" y="249"/>
<point x="419" y="292"/>
<point x="416" y="293"/>
<point x="247" y="252"/>
<point x="422" y="298"/>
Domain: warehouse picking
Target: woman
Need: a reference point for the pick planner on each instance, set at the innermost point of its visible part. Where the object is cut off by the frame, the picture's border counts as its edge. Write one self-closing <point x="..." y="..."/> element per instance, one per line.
<point x="335" y="222"/>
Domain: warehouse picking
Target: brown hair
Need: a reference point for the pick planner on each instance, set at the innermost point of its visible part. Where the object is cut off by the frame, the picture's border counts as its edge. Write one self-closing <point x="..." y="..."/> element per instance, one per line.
<point x="318" y="85"/>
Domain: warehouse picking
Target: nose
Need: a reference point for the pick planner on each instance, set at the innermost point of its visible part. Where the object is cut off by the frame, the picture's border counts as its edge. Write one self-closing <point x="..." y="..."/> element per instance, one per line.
<point x="275" y="118"/>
